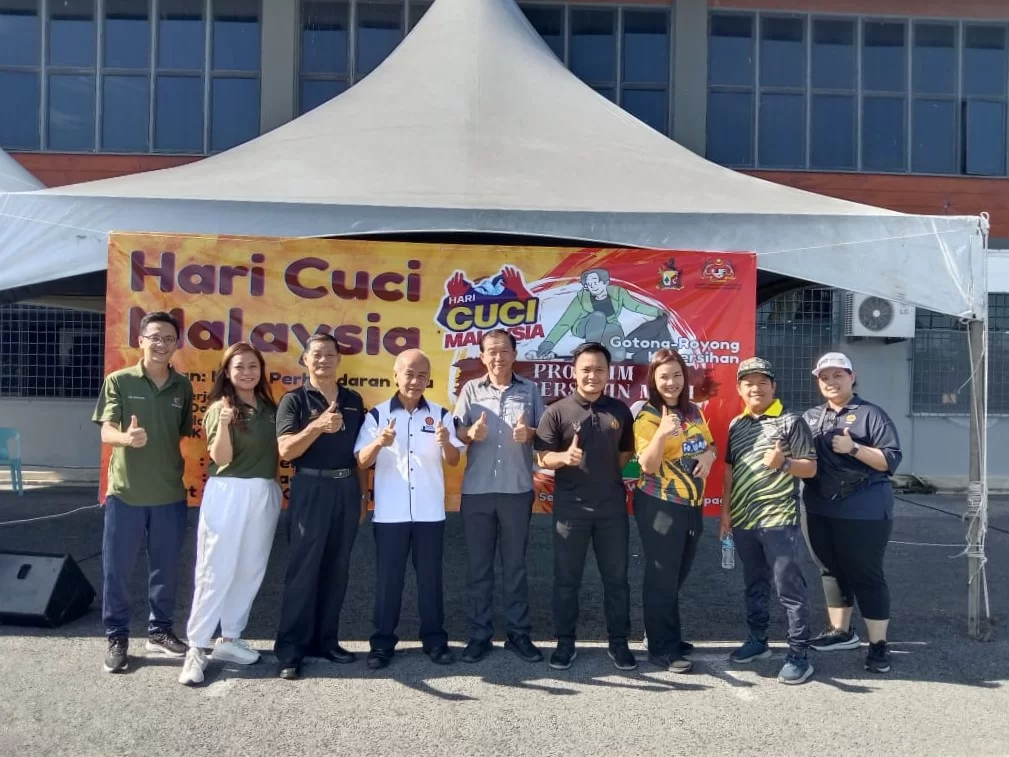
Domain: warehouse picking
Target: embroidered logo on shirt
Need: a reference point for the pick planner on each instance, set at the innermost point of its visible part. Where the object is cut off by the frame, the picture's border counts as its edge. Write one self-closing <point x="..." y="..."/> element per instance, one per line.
<point x="614" y="424"/>
<point x="177" y="402"/>
<point x="850" y="418"/>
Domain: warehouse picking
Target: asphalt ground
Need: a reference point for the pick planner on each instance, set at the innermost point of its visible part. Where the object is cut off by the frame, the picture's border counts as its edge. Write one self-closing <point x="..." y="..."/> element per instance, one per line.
<point x="946" y="694"/>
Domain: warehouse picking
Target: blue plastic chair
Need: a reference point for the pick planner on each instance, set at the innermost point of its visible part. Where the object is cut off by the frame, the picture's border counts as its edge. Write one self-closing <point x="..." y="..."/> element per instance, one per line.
<point x="10" y="453"/>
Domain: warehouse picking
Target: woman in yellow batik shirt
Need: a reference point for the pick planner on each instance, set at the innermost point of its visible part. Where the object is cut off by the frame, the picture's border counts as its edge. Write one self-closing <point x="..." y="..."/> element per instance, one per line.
<point x="675" y="451"/>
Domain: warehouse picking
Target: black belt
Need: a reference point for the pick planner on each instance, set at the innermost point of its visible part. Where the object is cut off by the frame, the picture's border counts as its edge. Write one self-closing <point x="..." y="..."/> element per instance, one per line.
<point x="328" y="473"/>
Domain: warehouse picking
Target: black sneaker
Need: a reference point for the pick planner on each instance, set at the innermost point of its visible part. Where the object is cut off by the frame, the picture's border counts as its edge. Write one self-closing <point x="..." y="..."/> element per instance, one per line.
<point x="166" y="643"/>
<point x="563" y="656"/>
<point x="878" y="659"/>
<point x="671" y="663"/>
<point x="622" y="657"/>
<point x="524" y="648"/>
<point x="686" y="648"/>
<point x="833" y="640"/>
<point x="476" y="650"/>
<point x="116" y="660"/>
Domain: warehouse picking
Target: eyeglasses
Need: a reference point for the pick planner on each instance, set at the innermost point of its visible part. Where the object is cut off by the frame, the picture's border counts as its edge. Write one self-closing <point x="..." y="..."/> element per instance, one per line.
<point x="168" y="341"/>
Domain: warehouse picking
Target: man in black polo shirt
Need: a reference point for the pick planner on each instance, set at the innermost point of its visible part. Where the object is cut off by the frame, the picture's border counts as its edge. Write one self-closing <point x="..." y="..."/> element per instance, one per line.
<point x="587" y="439"/>
<point x="317" y="425"/>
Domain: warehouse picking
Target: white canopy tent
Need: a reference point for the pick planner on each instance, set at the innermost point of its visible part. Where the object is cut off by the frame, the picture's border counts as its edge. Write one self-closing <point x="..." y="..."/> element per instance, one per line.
<point x="473" y="125"/>
<point x="14" y="178"/>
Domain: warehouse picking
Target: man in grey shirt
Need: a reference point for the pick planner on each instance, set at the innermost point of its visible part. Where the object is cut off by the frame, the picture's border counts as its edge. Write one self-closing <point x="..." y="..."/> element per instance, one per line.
<point x="497" y="416"/>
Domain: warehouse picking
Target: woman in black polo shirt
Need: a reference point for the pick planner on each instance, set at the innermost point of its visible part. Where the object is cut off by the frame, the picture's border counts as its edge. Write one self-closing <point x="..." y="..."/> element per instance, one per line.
<point x="675" y="451"/>
<point x="849" y="508"/>
<point x="239" y="512"/>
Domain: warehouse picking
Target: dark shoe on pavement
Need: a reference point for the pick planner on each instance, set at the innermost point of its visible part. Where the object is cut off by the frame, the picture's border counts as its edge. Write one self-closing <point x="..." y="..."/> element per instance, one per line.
<point x="878" y="659"/>
<point x="441" y="655"/>
<point x="686" y="648"/>
<point x="833" y="640"/>
<point x="671" y="663"/>
<point x="378" y="659"/>
<point x="524" y="648"/>
<point x="563" y="656"/>
<point x="340" y="655"/>
<point x="622" y="657"/>
<point x="116" y="660"/>
<point x="289" y="671"/>
<point x="476" y="650"/>
<point x="796" y="670"/>
<point x="752" y="649"/>
<point x="166" y="643"/>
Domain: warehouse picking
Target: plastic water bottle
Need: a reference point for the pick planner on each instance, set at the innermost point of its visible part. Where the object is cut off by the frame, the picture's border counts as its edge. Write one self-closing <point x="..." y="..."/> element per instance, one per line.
<point x="728" y="553"/>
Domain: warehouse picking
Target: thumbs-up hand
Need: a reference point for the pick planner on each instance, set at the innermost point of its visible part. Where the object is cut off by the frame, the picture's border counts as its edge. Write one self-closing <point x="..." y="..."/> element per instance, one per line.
<point x="388" y="434"/>
<point x="441" y="434"/>
<point x="330" y="420"/>
<point x="522" y="433"/>
<point x="842" y="443"/>
<point x="573" y="455"/>
<point x="669" y="424"/>
<point x="478" y="431"/>
<point x="775" y="458"/>
<point x="135" y="436"/>
<point x="227" y="416"/>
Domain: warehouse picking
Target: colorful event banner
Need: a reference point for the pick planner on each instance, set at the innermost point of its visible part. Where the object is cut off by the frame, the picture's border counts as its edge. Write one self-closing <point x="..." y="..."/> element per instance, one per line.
<point x="380" y="298"/>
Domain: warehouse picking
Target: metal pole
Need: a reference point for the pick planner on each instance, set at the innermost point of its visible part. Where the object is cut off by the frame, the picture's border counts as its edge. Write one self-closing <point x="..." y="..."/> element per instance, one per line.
<point x="975" y="336"/>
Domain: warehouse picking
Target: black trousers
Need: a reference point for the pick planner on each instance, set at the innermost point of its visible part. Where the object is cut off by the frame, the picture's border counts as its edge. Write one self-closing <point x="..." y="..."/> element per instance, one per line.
<point x="394" y="542"/>
<point x="322" y="521"/>
<point x="850" y="555"/>
<point x="609" y="542"/>
<point x="489" y="519"/>
<point x="669" y="537"/>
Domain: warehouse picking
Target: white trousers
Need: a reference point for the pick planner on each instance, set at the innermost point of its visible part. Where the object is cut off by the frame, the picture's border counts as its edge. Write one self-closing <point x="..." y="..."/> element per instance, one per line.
<point x="238" y="518"/>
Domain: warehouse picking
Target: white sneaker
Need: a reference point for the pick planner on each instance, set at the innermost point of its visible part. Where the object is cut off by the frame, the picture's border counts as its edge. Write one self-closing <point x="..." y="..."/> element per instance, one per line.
<point x="192" y="668"/>
<point x="237" y="651"/>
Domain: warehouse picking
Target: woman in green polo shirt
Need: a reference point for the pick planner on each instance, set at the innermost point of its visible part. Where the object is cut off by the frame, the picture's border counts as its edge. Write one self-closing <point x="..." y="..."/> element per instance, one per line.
<point x="239" y="512"/>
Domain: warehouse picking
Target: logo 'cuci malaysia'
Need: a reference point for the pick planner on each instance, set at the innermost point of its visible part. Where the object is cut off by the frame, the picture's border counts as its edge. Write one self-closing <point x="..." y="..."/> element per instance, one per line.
<point x="718" y="271"/>
<point x="502" y="301"/>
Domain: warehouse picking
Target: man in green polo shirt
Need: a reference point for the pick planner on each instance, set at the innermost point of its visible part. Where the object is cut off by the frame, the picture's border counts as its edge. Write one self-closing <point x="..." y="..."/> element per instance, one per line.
<point x="769" y="450"/>
<point x="144" y="411"/>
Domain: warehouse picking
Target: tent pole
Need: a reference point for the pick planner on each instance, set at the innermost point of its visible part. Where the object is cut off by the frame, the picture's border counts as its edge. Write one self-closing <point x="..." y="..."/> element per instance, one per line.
<point x="975" y="575"/>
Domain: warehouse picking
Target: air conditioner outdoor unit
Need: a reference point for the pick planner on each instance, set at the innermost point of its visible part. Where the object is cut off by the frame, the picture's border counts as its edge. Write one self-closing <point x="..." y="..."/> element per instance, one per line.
<point x="870" y="316"/>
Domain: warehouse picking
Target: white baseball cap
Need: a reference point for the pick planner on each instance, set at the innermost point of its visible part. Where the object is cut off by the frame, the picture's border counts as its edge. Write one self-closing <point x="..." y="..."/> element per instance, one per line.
<point x="833" y="360"/>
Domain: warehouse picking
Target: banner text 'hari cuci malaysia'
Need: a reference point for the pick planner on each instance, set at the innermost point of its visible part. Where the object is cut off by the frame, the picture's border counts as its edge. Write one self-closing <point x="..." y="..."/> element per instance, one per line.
<point x="380" y="298"/>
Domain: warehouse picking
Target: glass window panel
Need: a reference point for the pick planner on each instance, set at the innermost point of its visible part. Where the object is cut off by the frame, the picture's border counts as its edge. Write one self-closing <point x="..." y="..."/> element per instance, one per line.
<point x="608" y="92"/>
<point x="71" y="112"/>
<point x="314" y="92"/>
<point x="646" y="47"/>
<point x="19" y="110"/>
<point x="648" y="105"/>
<point x="72" y="37"/>
<point x="730" y="50"/>
<point x="730" y="128"/>
<point x="180" y="34"/>
<point x="417" y="11"/>
<point x="234" y="112"/>
<point x="782" y="52"/>
<point x="236" y="35"/>
<point x="984" y="61"/>
<point x="883" y="57"/>
<point x="833" y="54"/>
<point x="178" y="114"/>
<point x="127" y="35"/>
<point x="782" y="131"/>
<point x="324" y="37"/>
<point x="125" y="113"/>
<point x="379" y="30"/>
<point x="883" y="146"/>
<point x="933" y="67"/>
<point x="985" y="129"/>
<point x="933" y="135"/>
<point x="594" y="45"/>
<point x="832" y="132"/>
<point x="549" y="22"/>
<point x="19" y="33"/>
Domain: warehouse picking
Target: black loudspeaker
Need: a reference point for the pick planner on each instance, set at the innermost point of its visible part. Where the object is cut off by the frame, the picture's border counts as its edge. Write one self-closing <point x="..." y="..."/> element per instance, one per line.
<point x="42" y="590"/>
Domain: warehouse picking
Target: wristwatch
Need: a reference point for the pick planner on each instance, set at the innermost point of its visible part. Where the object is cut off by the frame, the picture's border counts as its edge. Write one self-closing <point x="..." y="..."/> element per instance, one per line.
<point x="854" y="449"/>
